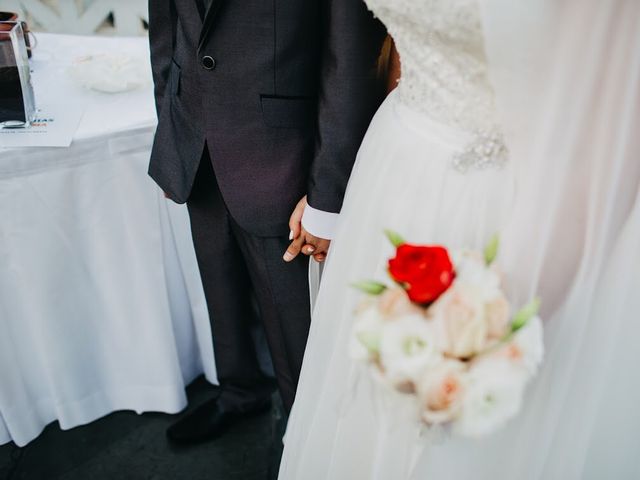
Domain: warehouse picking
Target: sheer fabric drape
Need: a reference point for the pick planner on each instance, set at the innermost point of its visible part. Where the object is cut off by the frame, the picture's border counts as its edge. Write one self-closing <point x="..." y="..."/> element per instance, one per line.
<point x="567" y="81"/>
<point x="567" y="77"/>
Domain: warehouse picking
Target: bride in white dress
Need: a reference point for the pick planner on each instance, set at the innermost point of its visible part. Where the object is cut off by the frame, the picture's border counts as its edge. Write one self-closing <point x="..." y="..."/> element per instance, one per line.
<point x="559" y="83"/>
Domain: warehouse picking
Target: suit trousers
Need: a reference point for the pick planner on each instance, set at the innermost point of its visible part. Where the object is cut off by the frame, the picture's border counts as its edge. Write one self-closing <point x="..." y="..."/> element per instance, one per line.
<point x="247" y="283"/>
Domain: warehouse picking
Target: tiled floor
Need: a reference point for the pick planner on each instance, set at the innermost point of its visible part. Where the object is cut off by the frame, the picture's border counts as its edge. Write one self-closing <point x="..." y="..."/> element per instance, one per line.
<point x="127" y="446"/>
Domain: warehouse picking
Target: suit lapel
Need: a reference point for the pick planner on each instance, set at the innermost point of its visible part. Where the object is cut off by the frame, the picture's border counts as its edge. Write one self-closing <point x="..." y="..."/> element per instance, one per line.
<point x="201" y="8"/>
<point x="209" y="18"/>
<point x="189" y="9"/>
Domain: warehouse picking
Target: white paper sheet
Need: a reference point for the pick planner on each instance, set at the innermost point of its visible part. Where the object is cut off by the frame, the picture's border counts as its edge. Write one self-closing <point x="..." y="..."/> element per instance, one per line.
<point x="55" y="126"/>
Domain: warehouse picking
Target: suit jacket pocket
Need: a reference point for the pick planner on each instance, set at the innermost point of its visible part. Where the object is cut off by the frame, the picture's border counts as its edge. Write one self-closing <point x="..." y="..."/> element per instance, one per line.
<point x="288" y="112"/>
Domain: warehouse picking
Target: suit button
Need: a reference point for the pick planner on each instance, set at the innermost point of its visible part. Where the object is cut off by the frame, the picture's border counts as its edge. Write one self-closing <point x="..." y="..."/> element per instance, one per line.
<point x="208" y="63"/>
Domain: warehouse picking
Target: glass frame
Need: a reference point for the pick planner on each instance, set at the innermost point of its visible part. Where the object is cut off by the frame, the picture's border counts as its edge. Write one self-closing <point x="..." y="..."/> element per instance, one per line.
<point x="20" y="61"/>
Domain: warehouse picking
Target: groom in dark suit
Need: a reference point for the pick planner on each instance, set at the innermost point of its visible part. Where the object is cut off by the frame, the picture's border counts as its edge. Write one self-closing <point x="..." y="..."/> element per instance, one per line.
<point x="262" y="105"/>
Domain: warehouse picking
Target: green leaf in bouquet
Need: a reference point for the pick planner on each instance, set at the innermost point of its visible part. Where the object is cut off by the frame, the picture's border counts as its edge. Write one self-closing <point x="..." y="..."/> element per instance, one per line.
<point x="395" y="238"/>
<point x="370" y="288"/>
<point x="491" y="250"/>
<point x="370" y="340"/>
<point x="525" y="314"/>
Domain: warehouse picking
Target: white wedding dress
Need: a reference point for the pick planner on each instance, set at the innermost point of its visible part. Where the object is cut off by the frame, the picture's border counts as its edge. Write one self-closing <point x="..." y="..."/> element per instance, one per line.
<point x="477" y="75"/>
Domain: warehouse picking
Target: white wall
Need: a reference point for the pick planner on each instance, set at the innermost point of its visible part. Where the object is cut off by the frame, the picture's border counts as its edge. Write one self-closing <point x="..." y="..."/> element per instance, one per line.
<point x="81" y="16"/>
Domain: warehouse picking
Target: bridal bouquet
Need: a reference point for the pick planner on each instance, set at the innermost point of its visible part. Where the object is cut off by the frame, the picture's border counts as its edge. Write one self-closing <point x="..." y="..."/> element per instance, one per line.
<point x="444" y="333"/>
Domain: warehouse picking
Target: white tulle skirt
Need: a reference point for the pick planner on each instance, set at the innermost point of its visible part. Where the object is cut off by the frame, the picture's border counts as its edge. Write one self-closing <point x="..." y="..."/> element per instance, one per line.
<point x="580" y="417"/>
<point x="343" y="426"/>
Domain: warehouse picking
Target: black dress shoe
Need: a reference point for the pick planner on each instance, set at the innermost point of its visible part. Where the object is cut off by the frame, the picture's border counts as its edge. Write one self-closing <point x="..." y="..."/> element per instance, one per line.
<point x="209" y="421"/>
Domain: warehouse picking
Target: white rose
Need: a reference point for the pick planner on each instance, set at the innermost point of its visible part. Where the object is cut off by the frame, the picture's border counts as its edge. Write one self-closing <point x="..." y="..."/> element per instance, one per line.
<point x="440" y="391"/>
<point x="407" y="348"/>
<point x="460" y="321"/>
<point x="367" y="332"/>
<point x="471" y="269"/>
<point x="493" y="396"/>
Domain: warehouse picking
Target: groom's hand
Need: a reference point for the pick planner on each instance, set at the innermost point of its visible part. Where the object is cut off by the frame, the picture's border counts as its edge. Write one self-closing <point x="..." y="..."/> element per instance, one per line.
<point x="302" y="241"/>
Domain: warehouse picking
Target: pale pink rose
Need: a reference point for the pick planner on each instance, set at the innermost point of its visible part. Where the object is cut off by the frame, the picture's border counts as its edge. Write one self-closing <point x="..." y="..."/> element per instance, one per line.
<point x="497" y="314"/>
<point x="459" y="319"/>
<point x="526" y="348"/>
<point x="440" y="392"/>
<point x="395" y="302"/>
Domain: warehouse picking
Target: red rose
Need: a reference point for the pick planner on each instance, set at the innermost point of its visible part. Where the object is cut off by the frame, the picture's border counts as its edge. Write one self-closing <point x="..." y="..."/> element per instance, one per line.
<point x="427" y="272"/>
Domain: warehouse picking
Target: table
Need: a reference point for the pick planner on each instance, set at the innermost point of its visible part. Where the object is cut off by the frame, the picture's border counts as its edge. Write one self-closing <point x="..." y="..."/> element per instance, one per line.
<point x="101" y="305"/>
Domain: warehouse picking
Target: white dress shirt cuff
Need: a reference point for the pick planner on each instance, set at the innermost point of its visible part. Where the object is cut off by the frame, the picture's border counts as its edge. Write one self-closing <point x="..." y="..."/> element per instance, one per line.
<point x="319" y="223"/>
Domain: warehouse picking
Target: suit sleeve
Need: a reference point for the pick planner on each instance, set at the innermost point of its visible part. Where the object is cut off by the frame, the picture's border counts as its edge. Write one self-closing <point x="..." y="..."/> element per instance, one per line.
<point x="350" y="93"/>
<point x="162" y="30"/>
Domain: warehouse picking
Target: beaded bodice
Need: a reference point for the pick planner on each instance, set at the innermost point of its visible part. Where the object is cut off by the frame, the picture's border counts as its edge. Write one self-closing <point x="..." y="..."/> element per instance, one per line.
<point x="445" y="71"/>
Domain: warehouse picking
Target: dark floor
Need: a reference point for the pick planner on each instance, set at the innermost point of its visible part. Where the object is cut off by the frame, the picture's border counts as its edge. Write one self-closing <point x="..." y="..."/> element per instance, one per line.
<point x="126" y="446"/>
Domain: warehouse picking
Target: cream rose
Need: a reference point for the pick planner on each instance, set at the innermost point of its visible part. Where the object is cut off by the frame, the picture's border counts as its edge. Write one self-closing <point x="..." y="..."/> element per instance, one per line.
<point x="441" y="391"/>
<point x="460" y="321"/>
<point x="497" y="314"/>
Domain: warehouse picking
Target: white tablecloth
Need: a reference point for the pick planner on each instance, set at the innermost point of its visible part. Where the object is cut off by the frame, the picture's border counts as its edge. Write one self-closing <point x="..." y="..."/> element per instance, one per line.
<point x="101" y="305"/>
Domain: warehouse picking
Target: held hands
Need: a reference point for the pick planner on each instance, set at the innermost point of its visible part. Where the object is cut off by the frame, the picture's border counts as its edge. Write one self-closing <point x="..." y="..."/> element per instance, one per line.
<point x="302" y="241"/>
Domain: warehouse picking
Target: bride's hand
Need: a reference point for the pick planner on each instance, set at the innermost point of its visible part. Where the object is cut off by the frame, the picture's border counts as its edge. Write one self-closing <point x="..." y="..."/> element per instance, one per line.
<point x="303" y="241"/>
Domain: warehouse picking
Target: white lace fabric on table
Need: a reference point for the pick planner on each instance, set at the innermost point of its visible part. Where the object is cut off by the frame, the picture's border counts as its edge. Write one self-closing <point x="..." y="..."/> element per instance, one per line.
<point x="445" y="71"/>
<point x="111" y="72"/>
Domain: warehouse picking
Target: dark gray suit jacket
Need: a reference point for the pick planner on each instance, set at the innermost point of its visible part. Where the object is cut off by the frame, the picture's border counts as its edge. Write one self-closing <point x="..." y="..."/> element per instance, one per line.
<point x="281" y="91"/>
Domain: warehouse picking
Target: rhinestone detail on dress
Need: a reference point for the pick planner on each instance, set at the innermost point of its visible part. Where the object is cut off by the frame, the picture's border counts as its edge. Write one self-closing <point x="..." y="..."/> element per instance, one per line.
<point x="445" y="71"/>
<point x="486" y="150"/>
